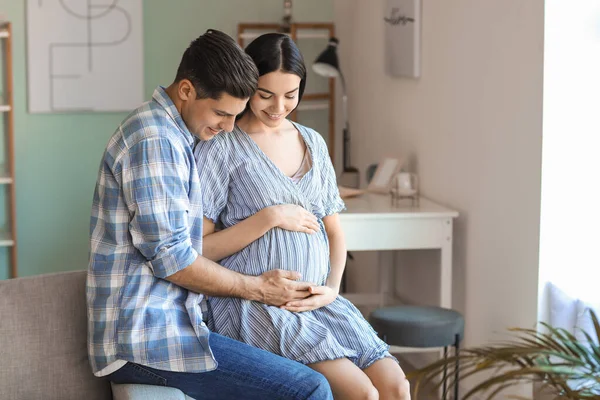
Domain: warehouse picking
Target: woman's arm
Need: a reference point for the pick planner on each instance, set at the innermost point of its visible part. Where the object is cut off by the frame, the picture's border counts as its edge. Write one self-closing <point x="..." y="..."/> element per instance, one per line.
<point x="323" y="295"/>
<point x="337" y="250"/>
<point x="221" y="244"/>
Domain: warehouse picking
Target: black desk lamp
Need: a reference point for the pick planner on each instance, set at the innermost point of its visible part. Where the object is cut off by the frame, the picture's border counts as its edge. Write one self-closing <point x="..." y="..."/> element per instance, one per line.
<point x="327" y="65"/>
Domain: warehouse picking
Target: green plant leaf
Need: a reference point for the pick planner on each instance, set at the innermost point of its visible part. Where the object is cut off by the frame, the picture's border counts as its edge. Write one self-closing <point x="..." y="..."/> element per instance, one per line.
<point x="555" y="358"/>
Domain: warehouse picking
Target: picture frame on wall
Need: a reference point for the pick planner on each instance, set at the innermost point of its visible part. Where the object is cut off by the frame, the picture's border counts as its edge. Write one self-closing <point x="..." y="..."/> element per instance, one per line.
<point x="402" y="21"/>
<point x="384" y="174"/>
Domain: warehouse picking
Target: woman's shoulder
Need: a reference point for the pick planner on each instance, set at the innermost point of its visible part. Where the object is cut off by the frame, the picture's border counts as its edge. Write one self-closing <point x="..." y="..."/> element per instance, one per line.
<point x="314" y="137"/>
<point x="221" y="142"/>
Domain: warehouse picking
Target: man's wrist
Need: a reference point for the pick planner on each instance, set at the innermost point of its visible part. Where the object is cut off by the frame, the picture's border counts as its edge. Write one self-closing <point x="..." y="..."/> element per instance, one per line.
<point x="250" y="288"/>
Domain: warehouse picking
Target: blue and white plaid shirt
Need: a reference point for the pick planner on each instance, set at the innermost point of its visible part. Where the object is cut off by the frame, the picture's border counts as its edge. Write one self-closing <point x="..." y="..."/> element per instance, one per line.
<point x="146" y="224"/>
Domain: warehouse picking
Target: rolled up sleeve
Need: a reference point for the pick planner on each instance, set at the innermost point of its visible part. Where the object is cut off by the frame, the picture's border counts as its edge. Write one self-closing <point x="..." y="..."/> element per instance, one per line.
<point x="156" y="185"/>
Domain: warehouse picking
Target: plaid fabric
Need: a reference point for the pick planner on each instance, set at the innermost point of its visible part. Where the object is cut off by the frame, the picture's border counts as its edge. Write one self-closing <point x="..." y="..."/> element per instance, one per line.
<point x="146" y="224"/>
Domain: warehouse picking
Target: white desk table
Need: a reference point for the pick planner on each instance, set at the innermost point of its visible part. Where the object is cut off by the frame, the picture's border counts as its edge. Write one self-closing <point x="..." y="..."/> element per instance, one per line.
<point x="372" y="223"/>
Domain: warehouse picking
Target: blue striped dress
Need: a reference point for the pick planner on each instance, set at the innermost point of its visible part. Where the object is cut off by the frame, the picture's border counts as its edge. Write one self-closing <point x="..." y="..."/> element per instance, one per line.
<point x="238" y="180"/>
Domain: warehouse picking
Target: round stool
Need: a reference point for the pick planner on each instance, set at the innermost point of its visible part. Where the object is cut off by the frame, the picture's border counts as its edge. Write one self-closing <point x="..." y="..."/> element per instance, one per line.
<point x="421" y="327"/>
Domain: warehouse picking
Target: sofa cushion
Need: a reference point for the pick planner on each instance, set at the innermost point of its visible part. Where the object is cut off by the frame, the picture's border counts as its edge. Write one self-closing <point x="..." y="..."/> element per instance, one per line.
<point x="43" y="339"/>
<point x="146" y="392"/>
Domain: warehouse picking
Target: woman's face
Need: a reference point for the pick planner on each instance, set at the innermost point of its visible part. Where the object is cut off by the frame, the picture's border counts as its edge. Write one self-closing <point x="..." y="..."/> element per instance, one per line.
<point x="275" y="98"/>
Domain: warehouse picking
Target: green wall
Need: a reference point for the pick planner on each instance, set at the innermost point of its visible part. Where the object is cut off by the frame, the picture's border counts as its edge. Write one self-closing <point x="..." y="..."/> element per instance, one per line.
<point x="57" y="155"/>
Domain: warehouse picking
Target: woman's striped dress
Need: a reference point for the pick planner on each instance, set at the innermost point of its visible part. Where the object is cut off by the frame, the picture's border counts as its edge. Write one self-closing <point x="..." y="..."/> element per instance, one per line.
<point x="238" y="180"/>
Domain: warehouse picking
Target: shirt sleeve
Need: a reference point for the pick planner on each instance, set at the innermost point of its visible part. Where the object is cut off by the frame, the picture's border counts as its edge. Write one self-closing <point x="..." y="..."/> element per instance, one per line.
<point x="331" y="201"/>
<point x="213" y="170"/>
<point x="155" y="186"/>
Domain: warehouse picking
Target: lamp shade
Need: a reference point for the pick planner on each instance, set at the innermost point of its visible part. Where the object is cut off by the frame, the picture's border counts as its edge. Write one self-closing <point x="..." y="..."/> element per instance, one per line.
<point x="327" y="63"/>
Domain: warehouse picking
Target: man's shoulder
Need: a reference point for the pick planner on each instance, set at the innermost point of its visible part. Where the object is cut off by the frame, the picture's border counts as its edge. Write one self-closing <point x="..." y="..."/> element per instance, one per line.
<point x="147" y="121"/>
<point x="150" y="121"/>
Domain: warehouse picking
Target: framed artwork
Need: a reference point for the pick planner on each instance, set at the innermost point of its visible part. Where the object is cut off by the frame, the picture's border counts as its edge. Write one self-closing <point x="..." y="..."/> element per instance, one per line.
<point x="402" y="21"/>
<point x="84" y="56"/>
<point x="385" y="172"/>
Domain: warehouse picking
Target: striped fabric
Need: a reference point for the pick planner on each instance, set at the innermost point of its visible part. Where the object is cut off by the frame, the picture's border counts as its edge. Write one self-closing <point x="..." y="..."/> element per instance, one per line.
<point x="146" y="224"/>
<point x="238" y="180"/>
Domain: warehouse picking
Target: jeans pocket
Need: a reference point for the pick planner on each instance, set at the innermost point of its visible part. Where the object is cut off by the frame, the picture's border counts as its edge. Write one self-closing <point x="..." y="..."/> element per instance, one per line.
<point x="135" y="373"/>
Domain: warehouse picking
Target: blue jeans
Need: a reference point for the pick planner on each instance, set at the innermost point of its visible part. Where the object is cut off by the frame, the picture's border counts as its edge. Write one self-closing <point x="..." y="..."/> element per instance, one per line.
<point x="244" y="372"/>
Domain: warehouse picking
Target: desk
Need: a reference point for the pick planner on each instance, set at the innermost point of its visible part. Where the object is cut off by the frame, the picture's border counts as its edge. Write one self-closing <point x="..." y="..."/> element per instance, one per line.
<point x="372" y="223"/>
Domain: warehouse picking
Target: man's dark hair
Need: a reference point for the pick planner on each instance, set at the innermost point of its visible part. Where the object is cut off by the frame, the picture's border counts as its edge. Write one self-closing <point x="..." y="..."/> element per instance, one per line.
<point x="277" y="52"/>
<point x="215" y="64"/>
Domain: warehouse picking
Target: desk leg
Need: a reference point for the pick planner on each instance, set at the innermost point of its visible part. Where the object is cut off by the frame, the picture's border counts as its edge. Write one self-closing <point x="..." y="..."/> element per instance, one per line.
<point x="387" y="283"/>
<point x="446" y="274"/>
<point x="446" y="266"/>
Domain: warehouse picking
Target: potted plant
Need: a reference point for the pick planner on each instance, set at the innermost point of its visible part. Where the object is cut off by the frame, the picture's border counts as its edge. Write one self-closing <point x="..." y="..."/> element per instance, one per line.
<point x="552" y="358"/>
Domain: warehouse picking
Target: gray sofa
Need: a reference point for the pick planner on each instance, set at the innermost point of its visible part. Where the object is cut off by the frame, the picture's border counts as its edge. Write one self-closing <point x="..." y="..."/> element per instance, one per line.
<point x="43" y="344"/>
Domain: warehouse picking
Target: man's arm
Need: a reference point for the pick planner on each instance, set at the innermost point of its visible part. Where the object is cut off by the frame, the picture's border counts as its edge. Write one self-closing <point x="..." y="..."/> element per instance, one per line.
<point x="158" y="200"/>
<point x="275" y="287"/>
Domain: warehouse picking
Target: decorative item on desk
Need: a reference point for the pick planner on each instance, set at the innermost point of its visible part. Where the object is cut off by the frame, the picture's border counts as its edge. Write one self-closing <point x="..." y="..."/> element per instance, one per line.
<point x="328" y="66"/>
<point x="403" y="38"/>
<point x="405" y="186"/>
<point x="385" y="172"/>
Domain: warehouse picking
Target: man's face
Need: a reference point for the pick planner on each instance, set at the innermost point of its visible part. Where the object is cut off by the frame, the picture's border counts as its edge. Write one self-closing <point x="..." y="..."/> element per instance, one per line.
<point x="205" y="118"/>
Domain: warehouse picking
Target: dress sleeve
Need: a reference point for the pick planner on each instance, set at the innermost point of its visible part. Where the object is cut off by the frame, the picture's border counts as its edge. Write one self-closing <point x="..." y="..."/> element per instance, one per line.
<point x="213" y="170"/>
<point x="331" y="201"/>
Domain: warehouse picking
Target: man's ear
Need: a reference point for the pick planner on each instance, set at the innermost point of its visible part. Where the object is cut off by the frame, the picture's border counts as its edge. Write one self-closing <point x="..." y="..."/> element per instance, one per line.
<point x="186" y="90"/>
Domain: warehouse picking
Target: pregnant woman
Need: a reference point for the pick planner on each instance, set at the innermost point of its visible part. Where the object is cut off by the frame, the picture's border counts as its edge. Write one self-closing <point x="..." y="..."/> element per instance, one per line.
<point x="269" y="166"/>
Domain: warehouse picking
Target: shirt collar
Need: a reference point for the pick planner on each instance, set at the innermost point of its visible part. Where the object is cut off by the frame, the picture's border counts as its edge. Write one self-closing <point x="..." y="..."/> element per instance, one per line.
<point x="162" y="98"/>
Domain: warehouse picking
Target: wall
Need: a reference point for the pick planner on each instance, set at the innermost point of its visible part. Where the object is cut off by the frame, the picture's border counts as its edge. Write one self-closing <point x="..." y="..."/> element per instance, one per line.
<point x="471" y="127"/>
<point x="57" y="155"/>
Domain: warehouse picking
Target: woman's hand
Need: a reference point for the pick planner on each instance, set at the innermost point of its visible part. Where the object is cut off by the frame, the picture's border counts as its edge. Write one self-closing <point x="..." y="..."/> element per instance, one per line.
<point x="293" y="218"/>
<point x="320" y="297"/>
<point x="278" y="287"/>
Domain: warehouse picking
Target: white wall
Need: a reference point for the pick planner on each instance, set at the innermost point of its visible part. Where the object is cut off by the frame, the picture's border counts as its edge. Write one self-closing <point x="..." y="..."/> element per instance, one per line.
<point x="472" y="128"/>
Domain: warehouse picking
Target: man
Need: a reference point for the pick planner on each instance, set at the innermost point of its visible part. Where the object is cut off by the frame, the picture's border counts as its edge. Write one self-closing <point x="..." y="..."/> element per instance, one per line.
<point x="146" y="279"/>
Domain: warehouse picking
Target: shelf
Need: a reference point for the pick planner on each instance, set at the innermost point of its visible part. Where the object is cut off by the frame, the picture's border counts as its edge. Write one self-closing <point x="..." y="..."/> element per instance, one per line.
<point x="315" y="35"/>
<point x="314" y="106"/>
<point x="8" y="237"/>
<point x="6" y="240"/>
<point x="315" y="96"/>
<point x="5" y="178"/>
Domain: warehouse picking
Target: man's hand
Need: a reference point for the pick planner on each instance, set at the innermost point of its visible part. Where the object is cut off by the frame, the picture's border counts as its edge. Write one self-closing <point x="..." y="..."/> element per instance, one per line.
<point x="278" y="287"/>
<point x="320" y="296"/>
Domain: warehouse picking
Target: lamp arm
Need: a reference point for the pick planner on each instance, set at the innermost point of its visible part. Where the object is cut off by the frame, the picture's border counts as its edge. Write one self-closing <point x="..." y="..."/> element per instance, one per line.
<point x="344" y="101"/>
<point x="346" y="131"/>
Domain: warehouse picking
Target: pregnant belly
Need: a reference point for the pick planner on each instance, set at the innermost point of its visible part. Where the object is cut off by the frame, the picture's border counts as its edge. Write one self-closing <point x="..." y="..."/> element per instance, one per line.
<point x="281" y="249"/>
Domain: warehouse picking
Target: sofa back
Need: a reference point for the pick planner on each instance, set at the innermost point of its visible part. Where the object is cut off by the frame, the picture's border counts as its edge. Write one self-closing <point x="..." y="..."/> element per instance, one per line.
<point x="43" y="339"/>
